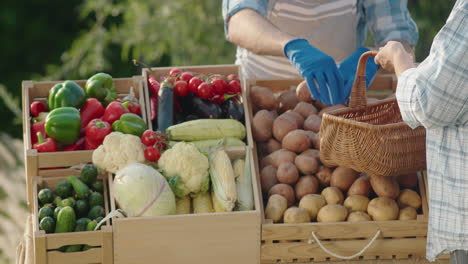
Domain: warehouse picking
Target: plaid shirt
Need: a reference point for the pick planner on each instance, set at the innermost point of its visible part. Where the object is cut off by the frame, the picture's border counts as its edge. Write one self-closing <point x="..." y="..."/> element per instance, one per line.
<point x="435" y="95"/>
<point x="386" y="19"/>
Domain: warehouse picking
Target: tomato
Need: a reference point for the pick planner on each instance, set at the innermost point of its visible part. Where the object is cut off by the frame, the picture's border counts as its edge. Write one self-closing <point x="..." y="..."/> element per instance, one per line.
<point x="186" y="76"/>
<point x="181" y="88"/>
<point x="231" y="77"/>
<point x="234" y="87"/>
<point x="160" y="141"/>
<point x="152" y="154"/>
<point x="174" y="72"/>
<point x="149" y="137"/>
<point x="194" y="83"/>
<point x="205" y="90"/>
<point x="219" y="86"/>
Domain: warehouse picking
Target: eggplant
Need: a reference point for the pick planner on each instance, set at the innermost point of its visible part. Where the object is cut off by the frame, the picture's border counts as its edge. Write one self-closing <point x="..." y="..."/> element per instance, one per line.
<point x="233" y="108"/>
<point x="165" y="106"/>
<point x="204" y="109"/>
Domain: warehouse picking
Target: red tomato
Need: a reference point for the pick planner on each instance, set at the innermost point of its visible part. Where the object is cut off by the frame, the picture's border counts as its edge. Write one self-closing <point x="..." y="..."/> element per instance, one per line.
<point x="181" y="88"/>
<point x="37" y="107"/>
<point x="219" y="86"/>
<point x="186" y="76"/>
<point x="152" y="154"/>
<point x="149" y="137"/>
<point x="234" y="87"/>
<point x="174" y="72"/>
<point x="205" y="90"/>
<point x="194" y="83"/>
<point x="231" y="77"/>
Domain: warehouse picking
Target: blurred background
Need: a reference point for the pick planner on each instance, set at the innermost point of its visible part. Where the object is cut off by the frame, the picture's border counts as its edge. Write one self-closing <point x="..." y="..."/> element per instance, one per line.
<point x="58" y="40"/>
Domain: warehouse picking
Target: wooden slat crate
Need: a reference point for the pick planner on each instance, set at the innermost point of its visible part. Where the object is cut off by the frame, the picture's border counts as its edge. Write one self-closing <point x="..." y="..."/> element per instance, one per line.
<point x="44" y="244"/>
<point x="289" y="243"/>
<point x="39" y="91"/>
<point x="231" y="237"/>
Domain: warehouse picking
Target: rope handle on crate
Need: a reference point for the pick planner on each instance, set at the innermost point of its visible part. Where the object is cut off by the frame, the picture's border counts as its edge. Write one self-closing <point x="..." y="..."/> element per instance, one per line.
<point x="344" y="257"/>
<point x="358" y="92"/>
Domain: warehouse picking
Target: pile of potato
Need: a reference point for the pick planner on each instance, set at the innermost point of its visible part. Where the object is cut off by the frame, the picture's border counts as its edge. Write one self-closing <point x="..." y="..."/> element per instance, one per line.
<point x="297" y="187"/>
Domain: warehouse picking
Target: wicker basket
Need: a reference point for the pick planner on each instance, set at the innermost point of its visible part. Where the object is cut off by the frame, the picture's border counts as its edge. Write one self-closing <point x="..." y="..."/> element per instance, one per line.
<point x="371" y="138"/>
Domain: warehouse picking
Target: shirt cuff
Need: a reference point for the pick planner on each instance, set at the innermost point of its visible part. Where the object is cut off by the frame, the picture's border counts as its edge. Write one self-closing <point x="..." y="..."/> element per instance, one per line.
<point x="406" y="93"/>
<point x="233" y="7"/>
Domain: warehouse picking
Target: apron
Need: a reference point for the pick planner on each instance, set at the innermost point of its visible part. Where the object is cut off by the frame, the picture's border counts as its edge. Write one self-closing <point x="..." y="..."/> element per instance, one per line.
<point x="329" y="25"/>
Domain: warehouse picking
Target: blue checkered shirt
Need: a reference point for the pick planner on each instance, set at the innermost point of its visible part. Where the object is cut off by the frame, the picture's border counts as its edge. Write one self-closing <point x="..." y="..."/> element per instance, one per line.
<point x="435" y="95"/>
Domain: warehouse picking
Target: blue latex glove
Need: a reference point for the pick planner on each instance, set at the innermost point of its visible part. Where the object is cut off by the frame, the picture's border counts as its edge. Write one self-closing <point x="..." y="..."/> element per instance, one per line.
<point x="348" y="70"/>
<point x="318" y="69"/>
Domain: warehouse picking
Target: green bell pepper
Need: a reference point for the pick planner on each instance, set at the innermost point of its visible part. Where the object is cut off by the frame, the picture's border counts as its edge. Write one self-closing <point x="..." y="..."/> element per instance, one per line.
<point x="68" y="93"/>
<point x="130" y="124"/>
<point x="101" y="86"/>
<point x="63" y="124"/>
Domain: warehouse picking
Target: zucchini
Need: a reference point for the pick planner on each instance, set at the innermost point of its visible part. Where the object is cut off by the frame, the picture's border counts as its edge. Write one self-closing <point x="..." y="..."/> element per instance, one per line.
<point x="209" y="143"/>
<point x="66" y="220"/>
<point x="80" y="188"/>
<point x="165" y="106"/>
<point x="203" y="129"/>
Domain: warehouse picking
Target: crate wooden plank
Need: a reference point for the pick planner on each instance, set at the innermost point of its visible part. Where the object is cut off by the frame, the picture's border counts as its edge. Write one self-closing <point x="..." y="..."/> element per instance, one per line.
<point x="92" y="238"/>
<point x="93" y="255"/>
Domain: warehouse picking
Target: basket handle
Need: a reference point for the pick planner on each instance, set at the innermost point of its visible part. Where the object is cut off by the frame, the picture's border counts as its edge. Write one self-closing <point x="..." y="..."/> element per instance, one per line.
<point x="358" y="92"/>
<point x="344" y="257"/>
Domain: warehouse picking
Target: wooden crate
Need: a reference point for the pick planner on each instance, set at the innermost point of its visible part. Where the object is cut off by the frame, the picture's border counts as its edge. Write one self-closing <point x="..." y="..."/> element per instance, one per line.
<point x="212" y="238"/>
<point x="289" y="243"/>
<point x="45" y="243"/>
<point x="39" y="91"/>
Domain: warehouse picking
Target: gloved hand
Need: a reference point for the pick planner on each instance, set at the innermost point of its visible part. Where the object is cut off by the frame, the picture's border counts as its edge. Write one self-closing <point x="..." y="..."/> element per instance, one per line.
<point x="318" y="69"/>
<point x="348" y="70"/>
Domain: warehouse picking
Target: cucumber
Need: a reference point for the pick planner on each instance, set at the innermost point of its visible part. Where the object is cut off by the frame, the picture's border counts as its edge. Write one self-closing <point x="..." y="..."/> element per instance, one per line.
<point x="45" y="211"/>
<point x="73" y="248"/>
<point x="99" y="219"/>
<point x="56" y="211"/>
<point x="89" y="174"/>
<point x="91" y="225"/>
<point x="98" y="186"/>
<point x="45" y="196"/>
<point x="95" y="198"/>
<point x="203" y="129"/>
<point x="47" y="224"/>
<point x="57" y="201"/>
<point x="66" y="220"/>
<point x="81" y="224"/>
<point x="96" y="212"/>
<point x="165" y="106"/>
<point x="81" y="208"/>
<point x="80" y="188"/>
<point x="50" y="205"/>
<point x="68" y="202"/>
<point x="64" y="189"/>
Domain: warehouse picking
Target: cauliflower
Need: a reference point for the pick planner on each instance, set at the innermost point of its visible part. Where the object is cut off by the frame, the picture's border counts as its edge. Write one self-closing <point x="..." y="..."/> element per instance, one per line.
<point x="186" y="169"/>
<point x="117" y="151"/>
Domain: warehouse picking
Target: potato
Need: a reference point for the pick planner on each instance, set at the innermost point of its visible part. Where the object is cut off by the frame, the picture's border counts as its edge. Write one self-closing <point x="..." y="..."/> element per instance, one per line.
<point x="324" y="175"/>
<point x="382" y="209"/>
<point x="299" y="119"/>
<point x="332" y="213"/>
<point x="305" y="109"/>
<point x="385" y="186"/>
<point x="268" y="178"/>
<point x="333" y="195"/>
<point x="409" y="197"/>
<point x="278" y="157"/>
<point x="307" y="184"/>
<point x="262" y="125"/>
<point x="263" y="98"/>
<point x="307" y="164"/>
<point x="361" y="186"/>
<point x="312" y="153"/>
<point x="343" y="178"/>
<point x="284" y="190"/>
<point x="287" y="101"/>
<point x="272" y="145"/>
<point x="282" y="125"/>
<point x="356" y="203"/>
<point x="330" y="108"/>
<point x="296" y="141"/>
<point x="408" y="181"/>
<point x="358" y="216"/>
<point x="295" y="215"/>
<point x="408" y="213"/>
<point x="312" y="136"/>
<point x="312" y="203"/>
<point x="287" y="173"/>
<point x="275" y="208"/>
<point x="316" y="142"/>
<point x="303" y="93"/>
<point x="312" y="123"/>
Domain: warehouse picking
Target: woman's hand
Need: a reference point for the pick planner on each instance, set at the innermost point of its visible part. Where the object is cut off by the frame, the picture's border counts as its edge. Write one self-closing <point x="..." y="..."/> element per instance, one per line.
<point x="393" y="57"/>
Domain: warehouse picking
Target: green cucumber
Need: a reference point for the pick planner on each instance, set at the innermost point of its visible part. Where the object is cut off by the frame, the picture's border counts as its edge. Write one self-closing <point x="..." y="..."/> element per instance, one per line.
<point x="56" y="211"/>
<point x="64" y="189"/>
<point x="45" y="211"/>
<point x="47" y="224"/>
<point x="96" y="212"/>
<point x="91" y="225"/>
<point x="66" y="220"/>
<point x="81" y="224"/>
<point x="50" y="205"/>
<point x="81" y="208"/>
<point x="80" y="188"/>
<point x="45" y="196"/>
<point x="89" y="174"/>
<point x="98" y="186"/>
<point x="57" y="200"/>
<point x="73" y="248"/>
<point x="95" y="198"/>
<point x="68" y="202"/>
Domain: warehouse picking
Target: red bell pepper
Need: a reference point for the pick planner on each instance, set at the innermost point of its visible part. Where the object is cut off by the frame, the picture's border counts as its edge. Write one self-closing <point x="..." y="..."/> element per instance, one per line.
<point x="37" y="127"/>
<point x="89" y="145"/>
<point x="134" y="108"/>
<point x="113" y="111"/>
<point x="37" y="107"/>
<point x="154" y="107"/>
<point x="91" y="110"/>
<point x="45" y="144"/>
<point x="97" y="130"/>
<point x="78" y="145"/>
<point x="153" y="85"/>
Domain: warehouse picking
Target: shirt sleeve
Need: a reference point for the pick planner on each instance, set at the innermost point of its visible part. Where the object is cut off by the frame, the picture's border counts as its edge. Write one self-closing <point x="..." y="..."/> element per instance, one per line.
<point x="435" y="94"/>
<point x="390" y="20"/>
<point x="230" y="7"/>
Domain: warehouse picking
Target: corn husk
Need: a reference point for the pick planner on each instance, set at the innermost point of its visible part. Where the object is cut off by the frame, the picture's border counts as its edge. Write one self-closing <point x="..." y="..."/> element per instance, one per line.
<point x="242" y="172"/>
<point x="224" y="192"/>
<point x="183" y="206"/>
<point x="202" y="203"/>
